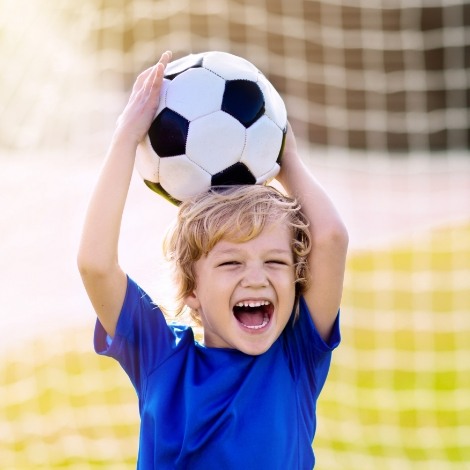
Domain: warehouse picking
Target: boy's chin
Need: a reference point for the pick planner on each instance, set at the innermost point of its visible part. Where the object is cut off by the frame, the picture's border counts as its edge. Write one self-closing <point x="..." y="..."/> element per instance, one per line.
<point x="255" y="348"/>
<point x="253" y="351"/>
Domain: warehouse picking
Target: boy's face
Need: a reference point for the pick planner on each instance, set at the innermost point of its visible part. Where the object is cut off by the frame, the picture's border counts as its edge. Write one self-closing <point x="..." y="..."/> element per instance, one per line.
<point x="245" y="291"/>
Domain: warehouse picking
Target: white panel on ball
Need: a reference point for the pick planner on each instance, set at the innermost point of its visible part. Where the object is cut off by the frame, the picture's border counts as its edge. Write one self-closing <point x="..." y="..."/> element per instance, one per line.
<point x="163" y="92"/>
<point x="195" y="93"/>
<point x="147" y="162"/>
<point x="267" y="177"/>
<point x="263" y="140"/>
<point x="222" y="134"/>
<point x="182" y="178"/>
<point x="230" y="67"/>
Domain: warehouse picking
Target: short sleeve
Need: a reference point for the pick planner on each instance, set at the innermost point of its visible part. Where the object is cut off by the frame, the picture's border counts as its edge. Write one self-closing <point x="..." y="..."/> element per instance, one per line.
<point x="143" y="340"/>
<point x="308" y="352"/>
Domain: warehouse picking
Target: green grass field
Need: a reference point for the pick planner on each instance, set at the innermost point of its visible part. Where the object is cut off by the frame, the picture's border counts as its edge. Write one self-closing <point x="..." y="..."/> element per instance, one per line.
<point x="398" y="395"/>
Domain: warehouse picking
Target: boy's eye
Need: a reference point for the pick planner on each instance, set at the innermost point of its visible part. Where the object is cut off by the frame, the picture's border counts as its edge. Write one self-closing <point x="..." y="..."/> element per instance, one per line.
<point x="278" y="261"/>
<point x="229" y="263"/>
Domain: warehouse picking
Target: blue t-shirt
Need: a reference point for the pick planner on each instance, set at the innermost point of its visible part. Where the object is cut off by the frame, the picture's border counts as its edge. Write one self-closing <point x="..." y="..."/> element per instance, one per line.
<point x="210" y="409"/>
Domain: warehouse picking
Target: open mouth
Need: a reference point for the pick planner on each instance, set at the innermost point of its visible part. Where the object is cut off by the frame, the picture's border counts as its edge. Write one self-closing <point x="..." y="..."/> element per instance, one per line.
<point x="253" y="314"/>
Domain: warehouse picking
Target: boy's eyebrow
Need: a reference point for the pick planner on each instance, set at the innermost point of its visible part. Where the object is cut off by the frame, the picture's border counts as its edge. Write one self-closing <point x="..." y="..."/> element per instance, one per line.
<point x="232" y="251"/>
<point x="225" y="251"/>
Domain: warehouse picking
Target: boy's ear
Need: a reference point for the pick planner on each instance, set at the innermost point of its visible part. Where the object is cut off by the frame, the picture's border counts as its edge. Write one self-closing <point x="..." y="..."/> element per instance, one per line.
<point x="192" y="301"/>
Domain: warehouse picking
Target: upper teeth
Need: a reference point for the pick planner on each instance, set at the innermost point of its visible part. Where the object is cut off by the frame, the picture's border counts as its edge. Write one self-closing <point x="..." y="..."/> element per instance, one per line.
<point x="252" y="303"/>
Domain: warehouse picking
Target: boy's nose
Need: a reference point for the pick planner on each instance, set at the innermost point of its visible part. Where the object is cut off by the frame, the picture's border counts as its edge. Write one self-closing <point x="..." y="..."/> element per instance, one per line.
<point x="254" y="277"/>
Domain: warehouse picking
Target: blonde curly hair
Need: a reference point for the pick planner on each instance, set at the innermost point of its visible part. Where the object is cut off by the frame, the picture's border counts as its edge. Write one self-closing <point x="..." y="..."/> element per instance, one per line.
<point x="238" y="214"/>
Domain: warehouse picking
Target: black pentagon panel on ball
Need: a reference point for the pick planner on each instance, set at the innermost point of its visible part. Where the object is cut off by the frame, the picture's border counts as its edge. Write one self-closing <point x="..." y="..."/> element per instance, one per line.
<point x="244" y="100"/>
<point x="178" y="66"/>
<point x="233" y="175"/>
<point x="168" y="134"/>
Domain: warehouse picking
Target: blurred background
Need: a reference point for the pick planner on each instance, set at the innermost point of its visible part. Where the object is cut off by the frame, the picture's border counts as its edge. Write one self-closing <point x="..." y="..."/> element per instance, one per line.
<point x="378" y="94"/>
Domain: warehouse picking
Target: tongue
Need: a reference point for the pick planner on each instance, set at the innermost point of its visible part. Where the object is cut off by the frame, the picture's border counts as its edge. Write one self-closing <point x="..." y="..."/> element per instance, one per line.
<point x="253" y="318"/>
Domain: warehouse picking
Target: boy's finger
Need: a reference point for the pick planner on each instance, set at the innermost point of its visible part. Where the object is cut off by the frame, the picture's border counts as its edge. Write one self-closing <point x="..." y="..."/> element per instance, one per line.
<point x="148" y="75"/>
<point x="140" y="80"/>
<point x="158" y="70"/>
<point x="165" y="58"/>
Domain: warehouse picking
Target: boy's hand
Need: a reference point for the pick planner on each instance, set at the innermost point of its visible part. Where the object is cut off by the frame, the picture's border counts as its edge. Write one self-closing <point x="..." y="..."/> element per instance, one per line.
<point x="135" y="120"/>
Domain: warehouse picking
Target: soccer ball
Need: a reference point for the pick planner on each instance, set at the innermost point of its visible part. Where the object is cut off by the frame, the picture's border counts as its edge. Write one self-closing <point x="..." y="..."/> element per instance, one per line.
<point x="219" y="122"/>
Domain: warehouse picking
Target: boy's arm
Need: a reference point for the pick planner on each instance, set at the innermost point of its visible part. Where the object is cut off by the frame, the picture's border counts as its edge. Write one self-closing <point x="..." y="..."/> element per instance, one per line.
<point x="329" y="238"/>
<point x="103" y="278"/>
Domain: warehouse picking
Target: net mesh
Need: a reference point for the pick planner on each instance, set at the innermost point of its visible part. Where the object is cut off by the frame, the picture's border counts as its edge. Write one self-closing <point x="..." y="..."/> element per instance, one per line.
<point x="398" y="393"/>
<point x="386" y="78"/>
<point x="381" y="75"/>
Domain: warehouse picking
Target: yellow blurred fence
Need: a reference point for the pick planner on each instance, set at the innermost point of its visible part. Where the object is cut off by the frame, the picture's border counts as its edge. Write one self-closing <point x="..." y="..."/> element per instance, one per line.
<point x="398" y="395"/>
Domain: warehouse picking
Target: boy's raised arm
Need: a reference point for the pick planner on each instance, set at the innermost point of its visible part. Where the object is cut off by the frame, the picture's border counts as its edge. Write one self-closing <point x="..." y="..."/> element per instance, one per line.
<point x="103" y="278"/>
<point x="329" y="238"/>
